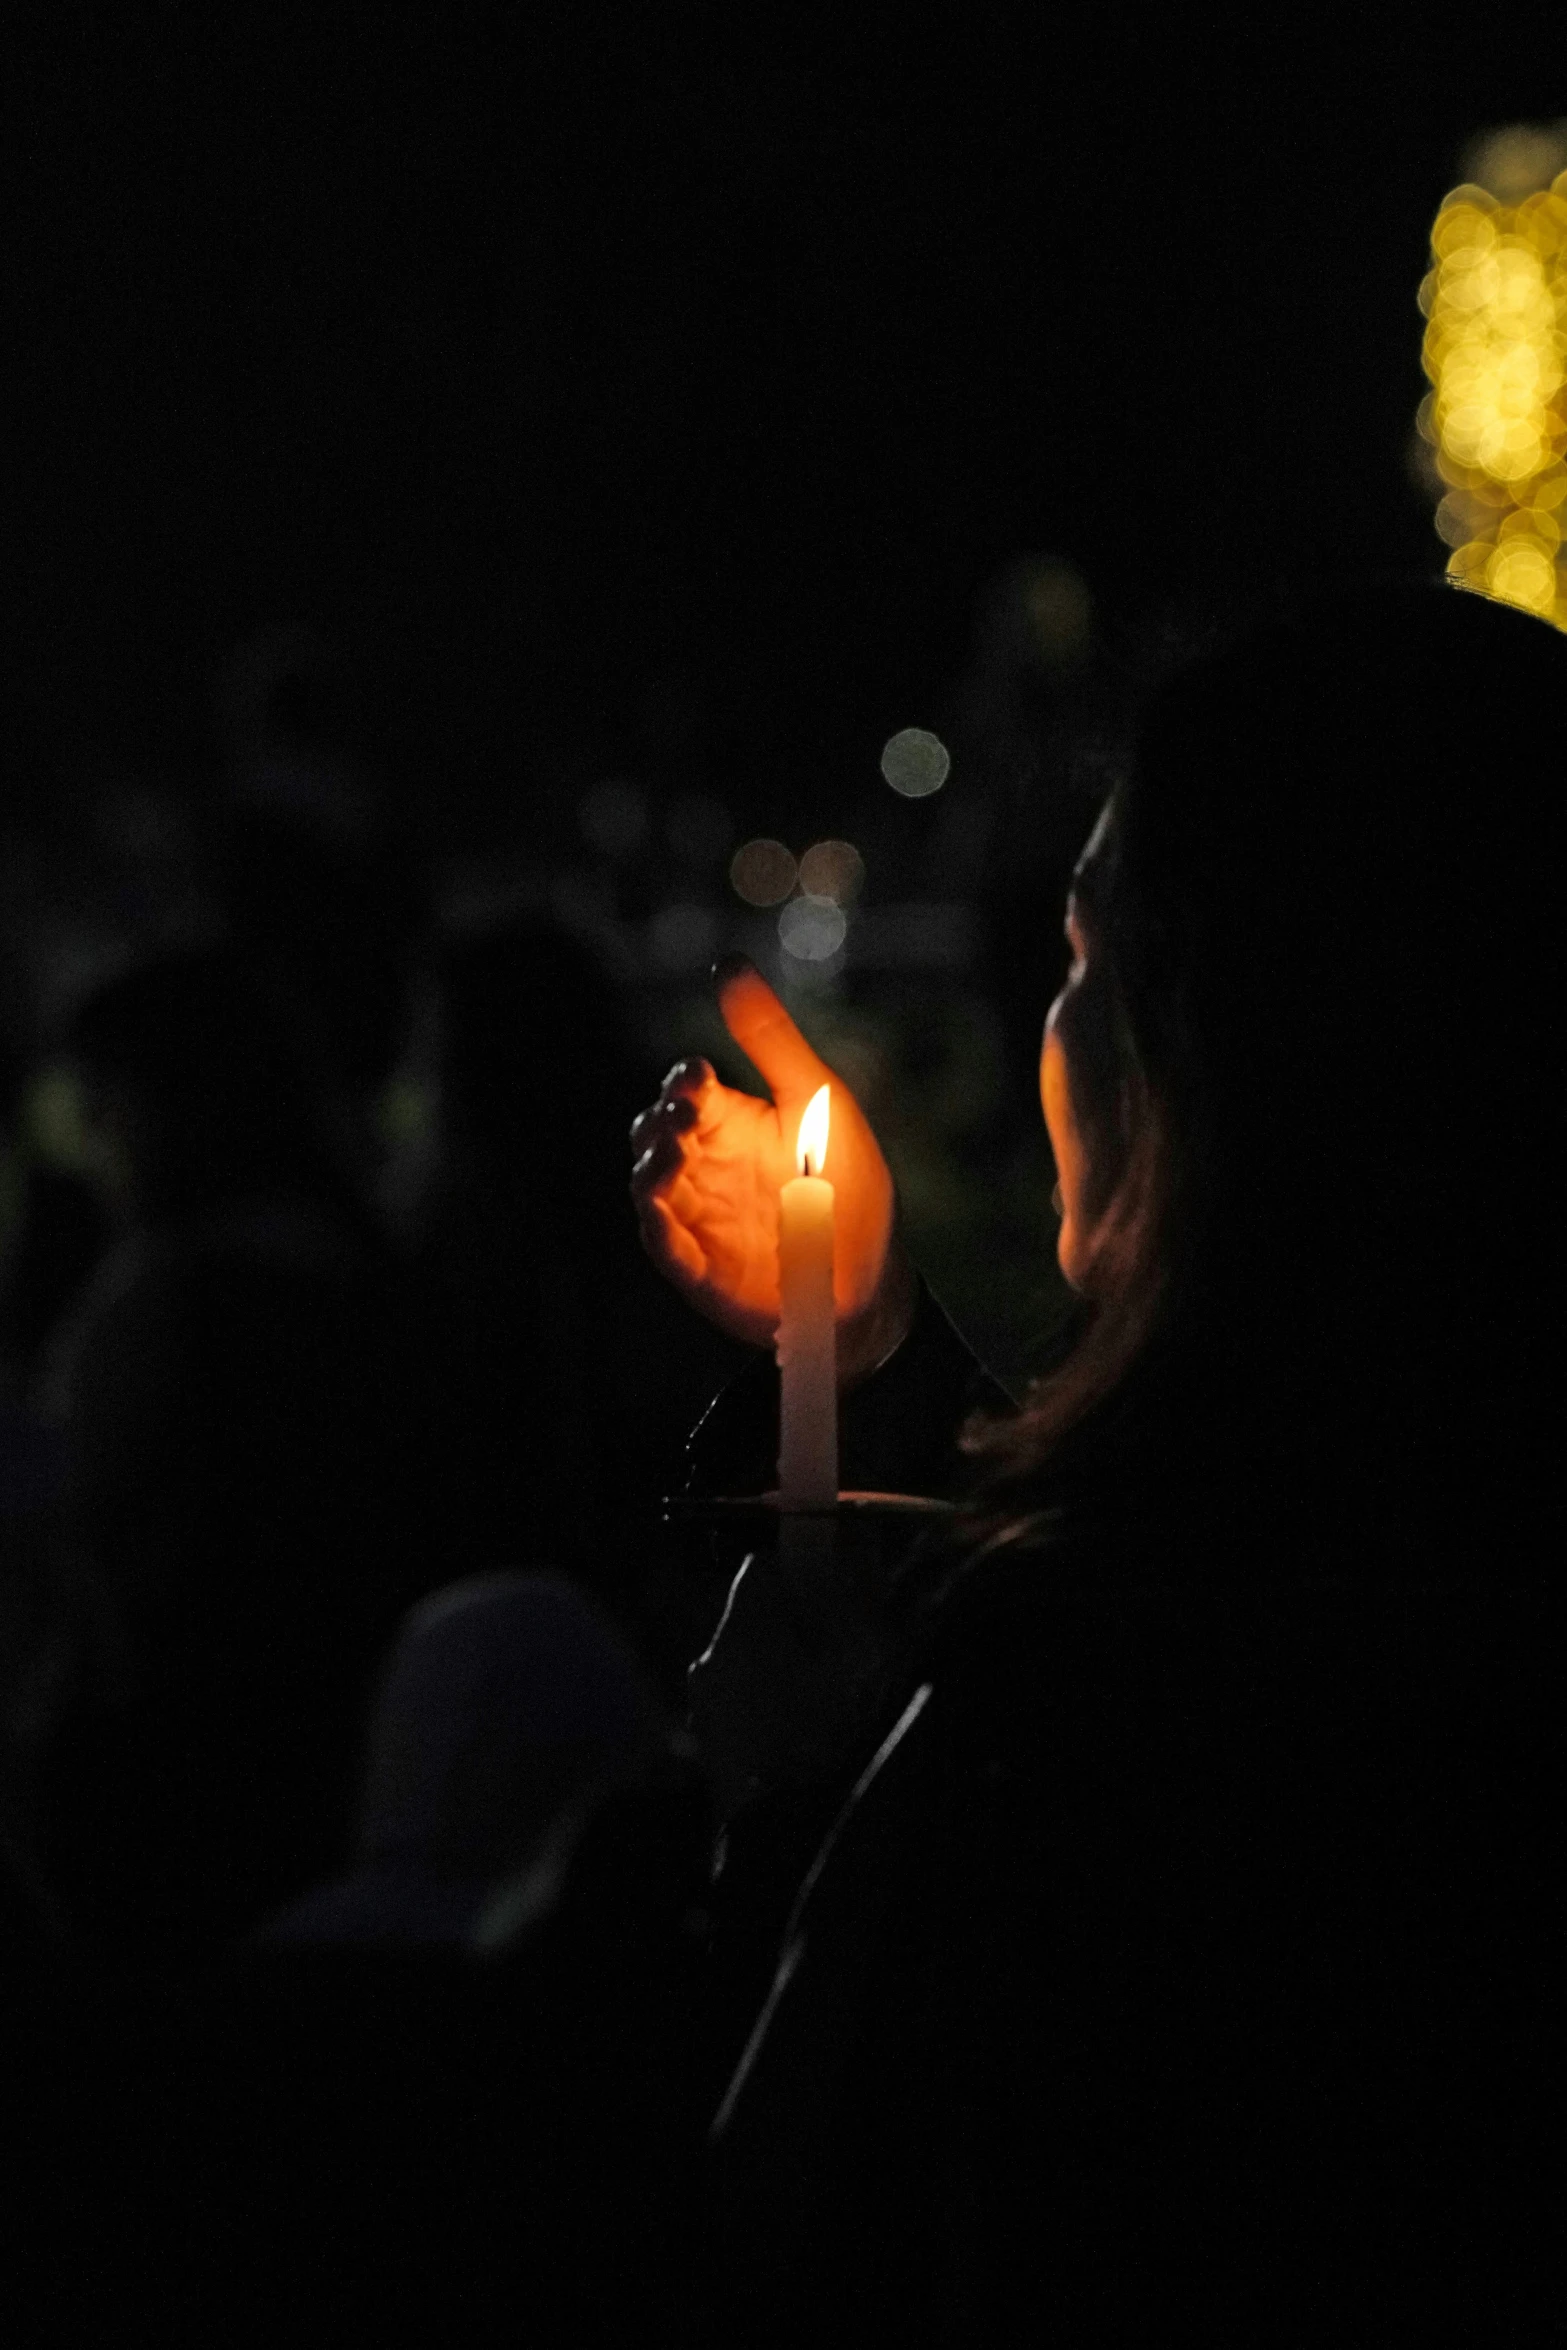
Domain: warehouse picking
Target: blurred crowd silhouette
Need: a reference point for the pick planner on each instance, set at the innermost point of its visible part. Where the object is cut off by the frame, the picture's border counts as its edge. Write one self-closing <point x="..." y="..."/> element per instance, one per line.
<point x="272" y="1372"/>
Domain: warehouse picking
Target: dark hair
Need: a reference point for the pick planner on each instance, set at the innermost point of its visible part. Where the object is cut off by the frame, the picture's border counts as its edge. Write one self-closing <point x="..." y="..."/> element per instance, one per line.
<point x="1333" y="923"/>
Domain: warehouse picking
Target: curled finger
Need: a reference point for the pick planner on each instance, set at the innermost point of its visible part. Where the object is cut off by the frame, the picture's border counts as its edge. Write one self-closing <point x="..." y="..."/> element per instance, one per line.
<point x="687" y="1077"/>
<point x="663" y="1153"/>
<point x="691" y="1087"/>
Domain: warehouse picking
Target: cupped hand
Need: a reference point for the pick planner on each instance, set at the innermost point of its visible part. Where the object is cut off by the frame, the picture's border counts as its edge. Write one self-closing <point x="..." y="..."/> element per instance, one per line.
<point x="710" y="1163"/>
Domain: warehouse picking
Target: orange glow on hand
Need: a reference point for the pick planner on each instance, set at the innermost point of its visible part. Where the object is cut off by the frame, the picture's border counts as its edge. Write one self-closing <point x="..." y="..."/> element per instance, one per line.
<point x="712" y="1164"/>
<point x="811" y="1150"/>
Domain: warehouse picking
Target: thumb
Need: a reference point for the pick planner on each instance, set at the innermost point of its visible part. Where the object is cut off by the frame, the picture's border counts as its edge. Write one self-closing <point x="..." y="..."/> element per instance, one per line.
<point x="764" y="1031"/>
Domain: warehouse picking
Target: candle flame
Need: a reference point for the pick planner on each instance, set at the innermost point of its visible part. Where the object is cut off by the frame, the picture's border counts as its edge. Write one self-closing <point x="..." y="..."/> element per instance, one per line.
<point x="812" y="1150"/>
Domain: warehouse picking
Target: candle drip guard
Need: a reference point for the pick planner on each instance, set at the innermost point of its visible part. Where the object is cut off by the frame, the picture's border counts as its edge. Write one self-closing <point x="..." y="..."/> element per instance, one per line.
<point x="867" y="1535"/>
<point x="757" y="1512"/>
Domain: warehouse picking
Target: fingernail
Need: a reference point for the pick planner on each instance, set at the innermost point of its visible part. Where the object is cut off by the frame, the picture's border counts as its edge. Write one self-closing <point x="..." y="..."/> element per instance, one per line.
<point x="730" y="967"/>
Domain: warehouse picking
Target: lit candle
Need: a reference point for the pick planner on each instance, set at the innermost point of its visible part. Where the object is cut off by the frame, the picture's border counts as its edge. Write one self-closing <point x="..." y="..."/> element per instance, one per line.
<point x="807" y="1326"/>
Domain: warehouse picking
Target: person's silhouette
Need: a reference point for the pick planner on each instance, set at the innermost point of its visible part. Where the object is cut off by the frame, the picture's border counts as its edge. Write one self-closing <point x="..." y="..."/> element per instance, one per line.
<point x="1183" y="1958"/>
<point x="234" y="1397"/>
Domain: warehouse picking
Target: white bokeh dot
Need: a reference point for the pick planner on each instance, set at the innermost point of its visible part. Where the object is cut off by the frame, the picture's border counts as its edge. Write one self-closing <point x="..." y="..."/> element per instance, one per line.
<point x="915" y="762"/>
<point x="811" y="929"/>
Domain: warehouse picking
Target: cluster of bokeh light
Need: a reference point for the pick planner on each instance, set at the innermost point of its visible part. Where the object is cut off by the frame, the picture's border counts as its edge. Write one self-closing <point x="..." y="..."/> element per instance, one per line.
<point x="1495" y="352"/>
<point x="813" y="924"/>
<point x="814" y="892"/>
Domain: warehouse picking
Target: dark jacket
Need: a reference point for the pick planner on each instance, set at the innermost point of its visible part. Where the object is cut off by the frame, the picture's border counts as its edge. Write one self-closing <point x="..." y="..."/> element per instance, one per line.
<point x="1182" y="1965"/>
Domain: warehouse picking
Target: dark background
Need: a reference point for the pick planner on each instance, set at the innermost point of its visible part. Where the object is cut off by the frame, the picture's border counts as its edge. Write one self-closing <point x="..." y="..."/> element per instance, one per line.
<point x="658" y="393"/>
<point x="573" y="360"/>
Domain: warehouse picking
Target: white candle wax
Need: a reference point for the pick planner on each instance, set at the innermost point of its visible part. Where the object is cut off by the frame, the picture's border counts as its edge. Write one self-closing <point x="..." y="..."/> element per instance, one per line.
<point x="807" y="1328"/>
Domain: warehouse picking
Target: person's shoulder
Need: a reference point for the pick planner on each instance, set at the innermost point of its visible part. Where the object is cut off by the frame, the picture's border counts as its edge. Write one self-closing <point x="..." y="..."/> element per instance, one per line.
<point x="1011" y="1634"/>
<point x="1035" y="1578"/>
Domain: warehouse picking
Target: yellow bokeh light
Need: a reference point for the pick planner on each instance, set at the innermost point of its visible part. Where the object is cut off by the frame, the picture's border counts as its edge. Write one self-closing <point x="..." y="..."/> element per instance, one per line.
<point x="763" y="872"/>
<point x="1060" y="612"/>
<point x="1495" y="352"/>
<point x="1518" y="158"/>
<point x="1524" y="573"/>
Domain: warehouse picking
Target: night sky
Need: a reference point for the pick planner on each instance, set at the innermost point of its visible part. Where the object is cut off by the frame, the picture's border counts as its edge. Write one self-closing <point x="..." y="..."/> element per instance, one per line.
<point x="644" y="381"/>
